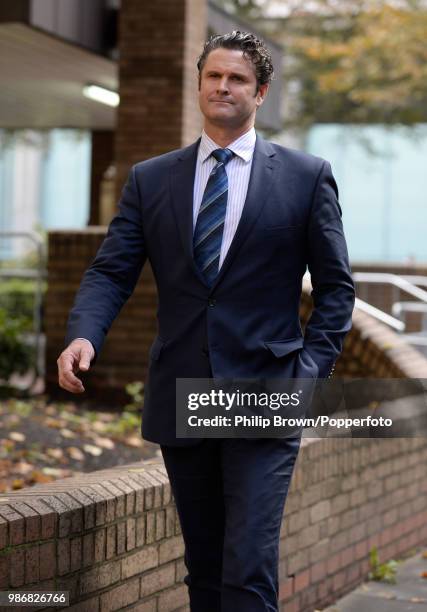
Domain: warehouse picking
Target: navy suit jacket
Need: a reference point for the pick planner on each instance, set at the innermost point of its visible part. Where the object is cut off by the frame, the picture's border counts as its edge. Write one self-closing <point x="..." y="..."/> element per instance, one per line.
<point x="247" y="324"/>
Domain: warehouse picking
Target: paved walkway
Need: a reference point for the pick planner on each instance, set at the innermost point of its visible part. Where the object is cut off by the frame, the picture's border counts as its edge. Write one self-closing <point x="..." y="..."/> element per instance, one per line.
<point x="409" y="594"/>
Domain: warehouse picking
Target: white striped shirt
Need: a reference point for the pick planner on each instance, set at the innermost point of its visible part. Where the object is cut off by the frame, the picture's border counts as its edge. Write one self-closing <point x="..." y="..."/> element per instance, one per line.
<point x="238" y="171"/>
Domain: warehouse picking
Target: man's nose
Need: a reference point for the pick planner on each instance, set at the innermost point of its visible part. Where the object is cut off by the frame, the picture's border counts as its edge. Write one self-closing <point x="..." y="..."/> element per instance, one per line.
<point x="223" y="85"/>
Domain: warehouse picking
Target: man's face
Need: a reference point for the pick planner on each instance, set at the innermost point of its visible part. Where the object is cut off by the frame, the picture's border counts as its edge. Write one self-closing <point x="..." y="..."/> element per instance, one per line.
<point x="228" y="95"/>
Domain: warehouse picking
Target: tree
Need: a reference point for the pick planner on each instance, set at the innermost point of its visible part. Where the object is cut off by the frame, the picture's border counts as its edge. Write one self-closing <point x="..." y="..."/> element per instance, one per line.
<point x="363" y="61"/>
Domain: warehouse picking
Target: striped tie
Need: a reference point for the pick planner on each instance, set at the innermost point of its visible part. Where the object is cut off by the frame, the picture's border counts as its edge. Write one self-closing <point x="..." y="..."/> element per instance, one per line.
<point x="210" y="220"/>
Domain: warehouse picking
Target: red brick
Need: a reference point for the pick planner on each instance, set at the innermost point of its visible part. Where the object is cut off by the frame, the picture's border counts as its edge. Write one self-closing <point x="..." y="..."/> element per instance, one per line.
<point x="157" y="580"/>
<point x="172" y="599"/>
<point x="121" y="537"/>
<point x="99" y="577"/>
<point x="99" y="552"/>
<point x="286" y="589"/>
<point x="47" y="558"/>
<point x="17" y="568"/>
<point x="75" y="553"/>
<point x="16" y="525"/>
<point x="120" y="596"/>
<point x="140" y="561"/>
<point x="3" y="533"/>
<point x="32" y="564"/>
<point x="4" y="572"/>
<point x="347" y="556"/>
<point x="88" y="605"/>
<point x="301" y="580"/>
<point x="318" y="571"/>
<point x="63" y="556"/>
<point x="130" y="534"/>
<point x="88" y="549"/>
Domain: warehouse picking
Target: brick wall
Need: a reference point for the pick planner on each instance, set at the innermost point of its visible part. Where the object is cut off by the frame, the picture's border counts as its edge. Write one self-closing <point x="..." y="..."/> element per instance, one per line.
<point x="112" y="538"/>
<point x="347" y="496"/>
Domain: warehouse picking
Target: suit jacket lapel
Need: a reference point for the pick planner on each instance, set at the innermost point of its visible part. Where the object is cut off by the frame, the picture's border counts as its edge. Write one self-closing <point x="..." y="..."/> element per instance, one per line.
<point x="260" y="181"/>
<point x="182" y="192"/>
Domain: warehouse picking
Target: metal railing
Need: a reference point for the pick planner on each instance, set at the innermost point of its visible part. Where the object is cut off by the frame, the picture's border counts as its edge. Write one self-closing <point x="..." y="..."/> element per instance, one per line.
<point x="408" y="284"/>
<point x="399" y="282"/>
<point x="380" y="315"/>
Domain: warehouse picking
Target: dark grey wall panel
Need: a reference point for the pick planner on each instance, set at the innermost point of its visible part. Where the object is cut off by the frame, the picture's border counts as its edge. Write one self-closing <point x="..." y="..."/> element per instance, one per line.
<point x="79" y="21"/>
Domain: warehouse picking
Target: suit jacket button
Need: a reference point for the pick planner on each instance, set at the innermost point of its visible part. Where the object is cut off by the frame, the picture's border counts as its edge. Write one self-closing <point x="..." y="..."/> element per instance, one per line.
<point x="211" y="302"/>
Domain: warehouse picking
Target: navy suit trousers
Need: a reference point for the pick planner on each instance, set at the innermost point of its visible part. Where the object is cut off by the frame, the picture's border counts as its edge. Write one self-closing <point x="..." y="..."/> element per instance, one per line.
<point x="230" y="495"/>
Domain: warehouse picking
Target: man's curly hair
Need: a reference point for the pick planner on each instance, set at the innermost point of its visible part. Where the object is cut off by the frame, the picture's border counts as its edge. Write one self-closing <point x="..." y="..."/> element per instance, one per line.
<point x="253" y="48"/>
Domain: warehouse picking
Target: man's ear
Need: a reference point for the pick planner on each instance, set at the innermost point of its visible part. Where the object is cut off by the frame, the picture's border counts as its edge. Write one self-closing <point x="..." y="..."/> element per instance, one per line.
<point x="261" y="94"/>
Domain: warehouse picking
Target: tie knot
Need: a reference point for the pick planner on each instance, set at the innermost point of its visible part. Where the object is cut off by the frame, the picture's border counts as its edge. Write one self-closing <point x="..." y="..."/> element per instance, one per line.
<point x="223" y="155"/>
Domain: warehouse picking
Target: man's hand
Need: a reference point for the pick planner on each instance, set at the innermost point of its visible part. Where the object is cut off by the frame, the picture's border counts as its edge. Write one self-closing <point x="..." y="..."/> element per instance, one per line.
<point x="75" y="358"/>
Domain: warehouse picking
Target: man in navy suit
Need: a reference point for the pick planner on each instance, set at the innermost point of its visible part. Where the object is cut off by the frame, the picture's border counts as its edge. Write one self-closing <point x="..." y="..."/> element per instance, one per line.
<point x="229" y="225"/>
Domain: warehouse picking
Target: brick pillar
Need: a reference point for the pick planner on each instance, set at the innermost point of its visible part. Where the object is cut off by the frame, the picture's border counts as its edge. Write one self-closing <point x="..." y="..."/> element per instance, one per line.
<point x="159" y="46"/>
<point x="124" y="357"/>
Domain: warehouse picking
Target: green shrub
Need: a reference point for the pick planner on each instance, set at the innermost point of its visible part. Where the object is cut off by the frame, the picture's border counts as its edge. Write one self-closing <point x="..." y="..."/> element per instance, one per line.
<point x="383" y="572"/>
<point x="15" y="355"/>
<point x="17" y="297"/>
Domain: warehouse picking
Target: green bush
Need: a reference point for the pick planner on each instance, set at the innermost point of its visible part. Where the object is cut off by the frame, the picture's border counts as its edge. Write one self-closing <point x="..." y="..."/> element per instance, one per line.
<point x="383" y="572"/>
<point x="15" y="355"/>
<point x="17" y="297"/>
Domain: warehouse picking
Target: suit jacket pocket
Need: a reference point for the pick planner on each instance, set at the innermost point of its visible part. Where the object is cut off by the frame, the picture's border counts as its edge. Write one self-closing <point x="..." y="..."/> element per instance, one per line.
<point x="276" y="228"/>
<point x="280" y="348"/>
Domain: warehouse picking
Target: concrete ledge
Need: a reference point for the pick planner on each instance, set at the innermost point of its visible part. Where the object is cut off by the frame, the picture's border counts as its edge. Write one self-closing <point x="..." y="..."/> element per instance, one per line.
<point x="112" y="538"/>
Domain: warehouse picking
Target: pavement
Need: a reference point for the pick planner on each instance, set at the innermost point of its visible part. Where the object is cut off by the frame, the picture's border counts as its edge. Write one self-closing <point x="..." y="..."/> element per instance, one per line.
<point x="409" y="594"/>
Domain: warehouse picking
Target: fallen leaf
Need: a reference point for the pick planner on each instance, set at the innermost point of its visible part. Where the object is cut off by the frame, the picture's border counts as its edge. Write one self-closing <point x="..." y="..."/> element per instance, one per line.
<point x="55" y="423"/>
<point x="104" y="442"/>
<point x="56" y="472"/>
<point x="67" y="433"/>
<point x="56" y="453"/>
<point x="135" y="441"/>
<point x="386" y="595"/>
<point x="424" y="555"/>
<point x="22" y="467"/>
<point x="18" y="483"/>
<point x="39" y="477"/>
<point x="417" y="599"/>
<point x="92" y="450"/>
<point x="75" y="453"/>
<point x="423" y="574"/>
<point x="17" y="436"/>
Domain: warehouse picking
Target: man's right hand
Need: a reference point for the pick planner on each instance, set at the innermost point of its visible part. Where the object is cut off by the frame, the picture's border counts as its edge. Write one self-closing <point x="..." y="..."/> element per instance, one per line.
<point x="75" y="358"/>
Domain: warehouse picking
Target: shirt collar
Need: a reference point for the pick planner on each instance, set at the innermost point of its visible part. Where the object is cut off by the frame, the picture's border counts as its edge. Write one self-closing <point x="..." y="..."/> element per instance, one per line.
<point x="242" y="146"/>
